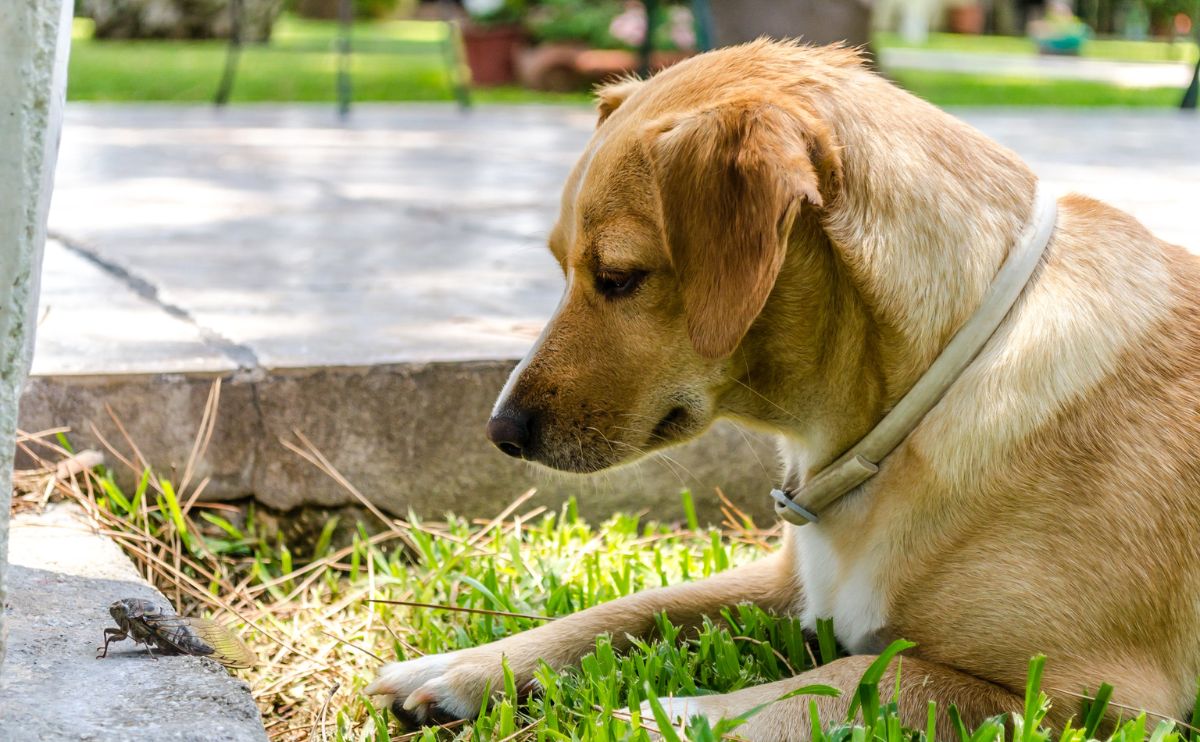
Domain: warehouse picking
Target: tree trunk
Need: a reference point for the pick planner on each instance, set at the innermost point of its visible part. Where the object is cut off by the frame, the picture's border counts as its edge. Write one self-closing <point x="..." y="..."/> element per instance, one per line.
<point x="814" y="21"/>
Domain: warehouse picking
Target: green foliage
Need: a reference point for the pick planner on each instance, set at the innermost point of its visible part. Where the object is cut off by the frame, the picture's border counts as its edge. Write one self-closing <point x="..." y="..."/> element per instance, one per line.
<point x="582" y="21"/>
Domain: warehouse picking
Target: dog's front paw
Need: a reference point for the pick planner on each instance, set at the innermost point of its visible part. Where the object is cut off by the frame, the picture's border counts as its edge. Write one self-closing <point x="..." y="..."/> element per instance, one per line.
<point x="438" y="687"/>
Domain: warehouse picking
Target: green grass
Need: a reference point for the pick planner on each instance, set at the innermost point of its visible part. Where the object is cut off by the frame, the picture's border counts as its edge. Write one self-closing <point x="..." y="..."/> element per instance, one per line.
<point x="393" y="61"/>
<point x="1113" y="49"/>
<point x="308" y="608"/>
<point x="401" y="61"/>
<point x="957" y="89"/>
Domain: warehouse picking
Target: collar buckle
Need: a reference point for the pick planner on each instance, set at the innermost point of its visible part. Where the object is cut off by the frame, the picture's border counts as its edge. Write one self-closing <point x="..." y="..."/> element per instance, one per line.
<point x="787" y="509"/>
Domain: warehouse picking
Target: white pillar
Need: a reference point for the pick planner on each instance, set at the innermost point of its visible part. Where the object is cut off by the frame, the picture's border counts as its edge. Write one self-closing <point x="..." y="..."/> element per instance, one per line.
<point x="35" y="36"/>
<point x="915" y="19"/>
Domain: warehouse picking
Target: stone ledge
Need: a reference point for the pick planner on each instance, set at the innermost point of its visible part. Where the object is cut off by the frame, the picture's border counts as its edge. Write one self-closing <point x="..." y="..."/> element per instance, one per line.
<point x="61" y="579"/>
<point x="409" y="436"/>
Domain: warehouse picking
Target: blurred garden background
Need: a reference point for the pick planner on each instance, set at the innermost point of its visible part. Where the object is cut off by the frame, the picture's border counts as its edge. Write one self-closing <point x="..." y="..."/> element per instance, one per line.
<point x="951" y="52"/>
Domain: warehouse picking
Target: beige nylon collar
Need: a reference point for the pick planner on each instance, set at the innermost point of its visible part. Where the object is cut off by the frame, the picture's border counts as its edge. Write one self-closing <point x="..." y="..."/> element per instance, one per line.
<point x="861" y="462"/>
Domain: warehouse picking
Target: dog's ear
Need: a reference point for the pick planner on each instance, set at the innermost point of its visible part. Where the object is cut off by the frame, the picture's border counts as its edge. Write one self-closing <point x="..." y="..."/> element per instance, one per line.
<point x="610" y="96"/>
<point x="731" y="180"/>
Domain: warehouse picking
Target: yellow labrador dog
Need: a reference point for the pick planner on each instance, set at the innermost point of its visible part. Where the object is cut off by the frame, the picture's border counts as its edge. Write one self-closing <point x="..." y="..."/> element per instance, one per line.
<point x="774" y="234"/>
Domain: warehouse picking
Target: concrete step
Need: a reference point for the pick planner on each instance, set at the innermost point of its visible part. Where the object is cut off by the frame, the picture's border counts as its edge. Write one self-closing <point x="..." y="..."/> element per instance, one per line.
<point x="409" y="436"/>
<point x="61" y="579"/>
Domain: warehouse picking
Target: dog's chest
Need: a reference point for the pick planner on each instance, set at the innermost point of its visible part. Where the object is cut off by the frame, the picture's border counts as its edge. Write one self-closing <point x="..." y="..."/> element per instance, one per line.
<point x="847" y="587"/>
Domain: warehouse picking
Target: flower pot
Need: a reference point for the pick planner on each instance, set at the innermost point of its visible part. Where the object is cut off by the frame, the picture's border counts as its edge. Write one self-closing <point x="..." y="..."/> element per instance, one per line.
<point x="551" y="66"/>
<point x="605" y="64"/>
<point x="490" y="52"/>
<point x="966" y="18"/>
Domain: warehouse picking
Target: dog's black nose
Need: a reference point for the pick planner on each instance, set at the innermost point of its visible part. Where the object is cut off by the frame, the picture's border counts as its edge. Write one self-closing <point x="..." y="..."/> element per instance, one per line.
<point x="510" y="433"/>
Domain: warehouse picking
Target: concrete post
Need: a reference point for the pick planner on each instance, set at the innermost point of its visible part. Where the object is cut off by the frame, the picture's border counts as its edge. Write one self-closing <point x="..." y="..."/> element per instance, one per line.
<point x="815" y="21"/>
<point x="34" y="39"/>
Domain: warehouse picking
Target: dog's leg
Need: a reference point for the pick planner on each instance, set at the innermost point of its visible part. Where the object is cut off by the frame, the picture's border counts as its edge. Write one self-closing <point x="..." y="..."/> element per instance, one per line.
<point x="453" y="684"/>
<point x="920" y="683"/>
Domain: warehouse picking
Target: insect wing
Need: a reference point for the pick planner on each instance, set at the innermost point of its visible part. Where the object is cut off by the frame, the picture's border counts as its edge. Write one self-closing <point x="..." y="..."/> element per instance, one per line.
<point x="204" y="638"/>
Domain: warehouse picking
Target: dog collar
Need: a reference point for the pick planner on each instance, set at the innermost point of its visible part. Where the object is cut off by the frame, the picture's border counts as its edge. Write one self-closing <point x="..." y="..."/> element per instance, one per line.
<point x="861" y="462"/>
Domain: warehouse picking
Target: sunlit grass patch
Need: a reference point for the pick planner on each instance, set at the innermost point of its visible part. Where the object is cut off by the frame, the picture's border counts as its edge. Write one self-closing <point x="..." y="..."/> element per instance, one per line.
<point x="1120" y="50"/>
<point x="963" y="89"/>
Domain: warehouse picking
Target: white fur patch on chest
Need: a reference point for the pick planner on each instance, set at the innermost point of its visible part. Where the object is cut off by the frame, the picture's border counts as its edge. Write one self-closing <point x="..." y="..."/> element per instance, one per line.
<point x="848" y="591"/>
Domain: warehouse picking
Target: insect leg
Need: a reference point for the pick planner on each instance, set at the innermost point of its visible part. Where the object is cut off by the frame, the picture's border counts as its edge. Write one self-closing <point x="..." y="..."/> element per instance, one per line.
<point x="111" y="635"/>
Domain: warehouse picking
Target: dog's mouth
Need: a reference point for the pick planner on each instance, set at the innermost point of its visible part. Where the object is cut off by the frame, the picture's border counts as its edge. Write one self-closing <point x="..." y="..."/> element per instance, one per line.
<point x="673" y="426"/>
<point x="594" y="448"/>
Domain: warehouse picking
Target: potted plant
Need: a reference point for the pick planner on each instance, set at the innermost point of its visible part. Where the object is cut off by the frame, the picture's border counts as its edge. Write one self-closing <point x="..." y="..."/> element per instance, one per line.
<point x="1059" y="31"/>
<point x="492" y="35"/>
<point x="581" y="42"/>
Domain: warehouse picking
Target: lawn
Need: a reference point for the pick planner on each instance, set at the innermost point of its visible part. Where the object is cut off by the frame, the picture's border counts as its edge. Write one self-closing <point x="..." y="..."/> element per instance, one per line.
<point x="393" y="61"/>
<point x="311" y="608"/>
<point x="1113" y="49"/>
<point x="402" y="61"/>
<point x="956" y="89"/>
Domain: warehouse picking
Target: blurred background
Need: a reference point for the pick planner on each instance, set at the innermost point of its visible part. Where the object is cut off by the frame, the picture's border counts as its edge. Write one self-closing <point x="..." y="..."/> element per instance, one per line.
<point x="953" y="52"/>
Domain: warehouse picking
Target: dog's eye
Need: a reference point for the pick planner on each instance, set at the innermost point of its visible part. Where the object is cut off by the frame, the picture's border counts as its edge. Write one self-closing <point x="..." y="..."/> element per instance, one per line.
<point x="613" y="284"/>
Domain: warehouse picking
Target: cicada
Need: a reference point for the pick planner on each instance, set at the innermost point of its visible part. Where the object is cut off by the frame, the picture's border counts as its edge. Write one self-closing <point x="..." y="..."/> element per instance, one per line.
<point x="160" y="628"/>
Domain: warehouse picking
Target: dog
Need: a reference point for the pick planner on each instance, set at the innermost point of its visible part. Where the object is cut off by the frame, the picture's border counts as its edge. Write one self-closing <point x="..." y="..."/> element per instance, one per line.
<point x="773" y="233"/>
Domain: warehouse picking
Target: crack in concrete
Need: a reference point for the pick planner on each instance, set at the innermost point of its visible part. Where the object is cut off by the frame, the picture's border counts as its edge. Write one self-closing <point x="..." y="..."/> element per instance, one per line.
<point x="243" y="355"/>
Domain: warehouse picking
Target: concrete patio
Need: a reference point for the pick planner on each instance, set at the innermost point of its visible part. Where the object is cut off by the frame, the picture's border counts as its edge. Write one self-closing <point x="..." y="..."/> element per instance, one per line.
<point x="370" y="284"/>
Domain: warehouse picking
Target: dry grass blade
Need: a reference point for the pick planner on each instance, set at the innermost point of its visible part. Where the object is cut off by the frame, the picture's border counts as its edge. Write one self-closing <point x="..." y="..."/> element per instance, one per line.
<point x="208" y="422"/>
<point x="1132" y="709"/>
<point x="320" y="720"/>
<point x="487" y="529"/>
<point x="23" y="437"/>
<point x="413" y="735"/>
<point x="142" y="461"/>
<point x="314" y="456"/>
<point x="520" y="732"/>
<point x="460" y="609"/>
<point x="352" y="645"/>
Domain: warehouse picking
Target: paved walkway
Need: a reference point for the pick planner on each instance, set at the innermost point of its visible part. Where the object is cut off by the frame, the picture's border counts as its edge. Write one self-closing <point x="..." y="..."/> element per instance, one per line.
<point x="189" y="239"/>
<point x="1124" y="74"/>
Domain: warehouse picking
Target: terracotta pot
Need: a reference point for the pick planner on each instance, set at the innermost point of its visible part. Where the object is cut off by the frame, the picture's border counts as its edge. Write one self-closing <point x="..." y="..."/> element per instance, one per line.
<point x="490" y="52"/>
<point x="966" y="19"/>
<point x="598" y="64"/>
<point x="551" y="66"/>
<point x="563" y="67"/>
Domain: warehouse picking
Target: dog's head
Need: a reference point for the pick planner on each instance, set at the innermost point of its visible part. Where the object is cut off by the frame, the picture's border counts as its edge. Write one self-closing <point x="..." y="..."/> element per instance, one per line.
<point x="674" y="227"/>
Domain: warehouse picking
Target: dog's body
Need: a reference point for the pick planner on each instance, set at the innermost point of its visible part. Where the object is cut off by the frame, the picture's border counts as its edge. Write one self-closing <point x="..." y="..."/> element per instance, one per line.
<point x="774" y="234"/>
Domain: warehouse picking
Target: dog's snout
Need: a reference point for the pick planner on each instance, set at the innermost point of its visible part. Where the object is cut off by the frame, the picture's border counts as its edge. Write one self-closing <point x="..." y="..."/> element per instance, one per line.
<point x="510" y="432"/>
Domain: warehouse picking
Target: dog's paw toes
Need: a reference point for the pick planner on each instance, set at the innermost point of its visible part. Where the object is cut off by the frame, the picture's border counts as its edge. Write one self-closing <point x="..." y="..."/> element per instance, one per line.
<point x="424" y="706"/>
<point x="433" y="689"/>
